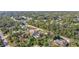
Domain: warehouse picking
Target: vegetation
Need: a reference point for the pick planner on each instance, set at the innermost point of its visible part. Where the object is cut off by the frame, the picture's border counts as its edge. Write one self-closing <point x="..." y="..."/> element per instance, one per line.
<point x="59" y="23"/>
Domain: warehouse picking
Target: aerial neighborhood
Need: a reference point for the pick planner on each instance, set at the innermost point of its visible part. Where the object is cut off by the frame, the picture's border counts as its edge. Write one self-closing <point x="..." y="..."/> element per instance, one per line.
<point x="39" y="29"/>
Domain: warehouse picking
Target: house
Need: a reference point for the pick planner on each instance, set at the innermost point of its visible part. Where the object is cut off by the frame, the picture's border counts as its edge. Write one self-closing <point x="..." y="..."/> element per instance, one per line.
<point x="76" y="19"/>
<point x="57" y="17"/>
<point x="1" y="35"/>
<point x="20" y="18"/>
<point x="23" y="24"/>
<point x="5" y="43"/>
<point x="36" y="34"/>
<point x="23" y="17"/>
<point x="31" y="31"/>
<point x="13" y="18"/>
<point x="77" y="32"/>
<point x="46" y="18"/>
<point x="29" y="18"/>
<point x="36" y="46"/>
<point x="58" y="41"/>
<point x="62" y="43"/>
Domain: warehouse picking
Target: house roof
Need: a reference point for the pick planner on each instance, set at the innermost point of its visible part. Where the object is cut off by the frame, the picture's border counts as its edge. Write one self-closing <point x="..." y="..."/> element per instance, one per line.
<point x="61" y="42"/>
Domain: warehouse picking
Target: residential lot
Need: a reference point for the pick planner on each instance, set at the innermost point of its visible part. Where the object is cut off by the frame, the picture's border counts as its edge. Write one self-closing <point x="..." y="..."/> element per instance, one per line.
<point x="39" y="29"/>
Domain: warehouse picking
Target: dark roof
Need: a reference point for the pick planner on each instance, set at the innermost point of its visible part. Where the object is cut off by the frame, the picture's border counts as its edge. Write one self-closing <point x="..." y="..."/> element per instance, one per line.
<point x="57" y="37"/>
